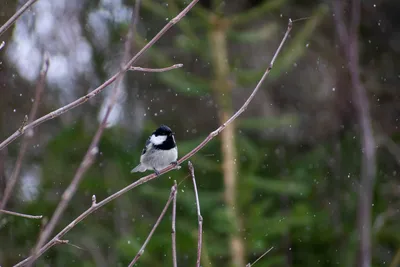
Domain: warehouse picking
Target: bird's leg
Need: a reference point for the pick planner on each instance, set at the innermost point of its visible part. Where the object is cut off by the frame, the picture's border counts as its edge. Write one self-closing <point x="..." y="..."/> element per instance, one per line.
<point x="175" y="164"/>
<point x="156" y="172"/>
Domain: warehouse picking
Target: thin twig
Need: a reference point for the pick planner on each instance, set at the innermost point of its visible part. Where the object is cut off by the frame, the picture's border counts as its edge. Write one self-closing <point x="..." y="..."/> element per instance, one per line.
<point x="27" y="138"/>
<point x="199" y="217"/>
<point x="173" y="233"/>
<point x="21" y="214"/>
<point x="93" y="149"/>
<point x="141" y="251"/>
<point x="2" y="44"/>
<point x="153" y="176"/>
<point x="16" y="16"/>
<point x="156" y="70"/>
<point x="259" y="258"/>
<point x="99" y="89"/>
<point x="349" y="42"/>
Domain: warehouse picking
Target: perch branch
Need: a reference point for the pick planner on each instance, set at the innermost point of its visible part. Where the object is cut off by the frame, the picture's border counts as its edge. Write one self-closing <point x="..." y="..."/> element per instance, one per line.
<point x="173" y="233"/>
<point x="153" y="176"/>
<point x="25" y="141"/>
<point x="16" y="16"/>
<point x="199" y="217"/>
<point x="89" y="157"/>
<point x="156" y="70"/>
<point x="21" y="214"/>
<point x="349" y="42"/>
<point x="141" y="251"/>
<point x="99" y="89"/>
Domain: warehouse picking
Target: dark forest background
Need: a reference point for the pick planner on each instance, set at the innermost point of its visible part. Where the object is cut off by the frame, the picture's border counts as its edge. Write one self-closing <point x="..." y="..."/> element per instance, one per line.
<point x="292" y="177"/>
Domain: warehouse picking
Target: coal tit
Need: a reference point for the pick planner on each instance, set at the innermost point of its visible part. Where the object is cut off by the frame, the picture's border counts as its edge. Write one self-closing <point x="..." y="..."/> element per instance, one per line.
<point x="159" y="152"/>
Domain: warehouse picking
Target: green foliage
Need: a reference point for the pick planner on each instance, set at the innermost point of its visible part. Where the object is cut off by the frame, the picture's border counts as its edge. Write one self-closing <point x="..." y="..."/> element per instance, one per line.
<point x="299" y="198"/>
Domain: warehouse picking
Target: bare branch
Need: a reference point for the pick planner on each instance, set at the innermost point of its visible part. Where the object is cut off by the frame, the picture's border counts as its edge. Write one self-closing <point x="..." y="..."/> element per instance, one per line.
<point x="156" y="70"/>
<point x="173" y="233"/>
<point x="141" y="251"/>
<point x="199" y="217"/>
<point x="16" y="16"/>
<point x="99" y="89"/>
<point x="368" y="165"/>
<point x="153" y="176"/>
<point x="21" y="214"/>
<point x="25" y="141"/>
<point x="259" y="258"/>
<point x="93" y="148"/>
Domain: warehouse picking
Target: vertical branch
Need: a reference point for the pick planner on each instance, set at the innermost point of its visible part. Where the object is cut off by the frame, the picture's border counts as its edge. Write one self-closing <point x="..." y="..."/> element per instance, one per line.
<point x="368" y="163"/>
<point x="88" y="159"/>
<point x="223" y="91"/>
<point x="173" y="233"/>
<point x="141" y="251"/>
<point x="16" y="16"/>
<point x="25" y="141"/>
<point x="199" y="217"/>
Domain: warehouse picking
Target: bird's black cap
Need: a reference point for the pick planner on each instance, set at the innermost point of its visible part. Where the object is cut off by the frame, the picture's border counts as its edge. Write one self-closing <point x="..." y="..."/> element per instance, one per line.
<point x="163" y="130"/>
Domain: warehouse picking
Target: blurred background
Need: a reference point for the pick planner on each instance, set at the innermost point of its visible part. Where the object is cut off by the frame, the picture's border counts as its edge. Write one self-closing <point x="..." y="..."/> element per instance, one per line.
<point x="287" y="174"/>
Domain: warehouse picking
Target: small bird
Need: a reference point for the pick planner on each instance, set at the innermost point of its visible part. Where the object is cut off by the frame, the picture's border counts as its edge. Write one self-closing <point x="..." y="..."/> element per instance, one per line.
<point x="159" y="152"/>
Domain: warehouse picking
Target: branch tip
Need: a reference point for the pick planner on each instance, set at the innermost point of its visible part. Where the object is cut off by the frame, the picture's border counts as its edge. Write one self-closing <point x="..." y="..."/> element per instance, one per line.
<point x="93" y="200"/>
<point x="21" y="214"/>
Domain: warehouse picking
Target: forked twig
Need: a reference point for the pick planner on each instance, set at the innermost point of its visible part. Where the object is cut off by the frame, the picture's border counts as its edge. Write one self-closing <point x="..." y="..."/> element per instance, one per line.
<point x="153" y="176"/>
<point x="141" y="251"/>
<point x="99" y="89"/>
<point x="16" y="16"/>
<point x="92" y="150"/>
<point x="21" y="214"/>
<point x="173" y="232"/>
<point x="199" y="217"/>
<point x="259" y="258"/>
<point x="25" y="141"/>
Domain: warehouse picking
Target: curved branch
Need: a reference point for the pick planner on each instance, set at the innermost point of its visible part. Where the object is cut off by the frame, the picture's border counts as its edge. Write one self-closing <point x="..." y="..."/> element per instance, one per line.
<point x="153" y="176"/>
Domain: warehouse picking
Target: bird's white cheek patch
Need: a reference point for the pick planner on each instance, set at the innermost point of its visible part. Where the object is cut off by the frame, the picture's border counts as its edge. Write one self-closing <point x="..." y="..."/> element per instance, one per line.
<point x="158" y="140"/>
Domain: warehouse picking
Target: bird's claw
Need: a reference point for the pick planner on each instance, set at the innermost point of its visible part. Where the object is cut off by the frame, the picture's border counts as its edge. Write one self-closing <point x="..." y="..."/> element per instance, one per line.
<point x="156" y="172"/>
<point x="175" y="164"/>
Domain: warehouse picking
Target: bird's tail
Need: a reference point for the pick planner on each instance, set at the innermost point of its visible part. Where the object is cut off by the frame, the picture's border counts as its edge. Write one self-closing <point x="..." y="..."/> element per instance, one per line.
<point x="139" y="168"/>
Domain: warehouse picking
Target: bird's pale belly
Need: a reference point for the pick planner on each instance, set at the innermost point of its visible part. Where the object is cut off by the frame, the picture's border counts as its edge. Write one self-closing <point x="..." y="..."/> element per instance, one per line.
<point x="159" y="159"/>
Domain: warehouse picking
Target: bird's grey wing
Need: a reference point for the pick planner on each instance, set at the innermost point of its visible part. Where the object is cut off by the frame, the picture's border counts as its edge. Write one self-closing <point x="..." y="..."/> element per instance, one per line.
<point x="146" y="146"/>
